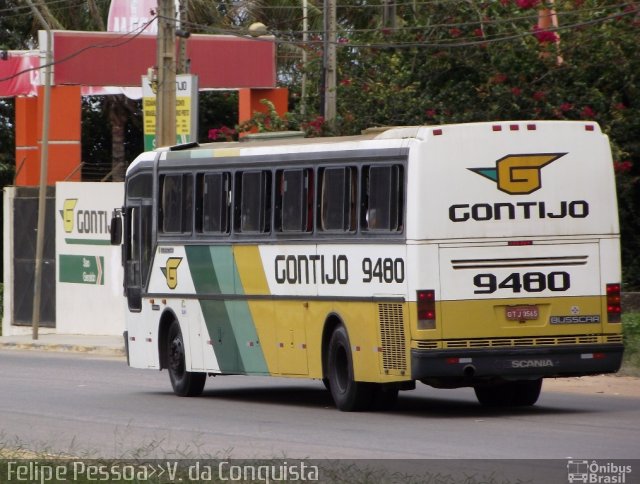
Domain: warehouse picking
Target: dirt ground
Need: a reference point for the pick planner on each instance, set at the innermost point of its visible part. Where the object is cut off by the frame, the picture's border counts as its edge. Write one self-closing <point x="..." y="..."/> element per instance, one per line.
<point x="624" y="386"/>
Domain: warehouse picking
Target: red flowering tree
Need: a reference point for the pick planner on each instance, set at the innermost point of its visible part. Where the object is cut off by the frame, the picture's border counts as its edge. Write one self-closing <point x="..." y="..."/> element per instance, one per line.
<point x="495" y="61"/>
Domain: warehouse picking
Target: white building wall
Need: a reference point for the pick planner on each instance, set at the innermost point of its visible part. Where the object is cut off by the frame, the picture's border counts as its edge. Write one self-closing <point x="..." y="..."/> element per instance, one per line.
<point x="89" y="274"/>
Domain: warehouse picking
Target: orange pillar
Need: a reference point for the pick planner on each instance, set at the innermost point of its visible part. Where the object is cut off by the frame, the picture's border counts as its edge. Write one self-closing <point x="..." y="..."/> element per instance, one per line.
<point x="249" y="101"/>
<point x="27" y="151"/>
<point x="64" y="136"/>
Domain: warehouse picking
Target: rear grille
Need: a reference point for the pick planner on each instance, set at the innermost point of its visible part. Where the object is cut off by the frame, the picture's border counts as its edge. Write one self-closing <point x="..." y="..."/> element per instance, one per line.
<point x="524" y="341"/>
<point x="427" y="345"/>
<point x="392" y="337"/>
<point x="516" y="342"/>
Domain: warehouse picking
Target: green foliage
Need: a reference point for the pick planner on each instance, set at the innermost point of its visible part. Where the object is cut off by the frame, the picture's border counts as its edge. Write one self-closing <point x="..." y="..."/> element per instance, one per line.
<point x="263" y="122"/>
<point x="631" y="331"/>
<point x="217" y="111"/>
<point x="480" y="61"/>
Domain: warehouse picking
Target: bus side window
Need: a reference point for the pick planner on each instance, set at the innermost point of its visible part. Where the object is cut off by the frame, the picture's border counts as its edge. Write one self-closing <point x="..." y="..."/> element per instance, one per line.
<point x="382" y="198"/>
<point x="338" y="198"/>
<point x="176" y="204"/>
<point x="213" y="203"/>
<point x="254" y="198"/>
<point x="292" y="200"/>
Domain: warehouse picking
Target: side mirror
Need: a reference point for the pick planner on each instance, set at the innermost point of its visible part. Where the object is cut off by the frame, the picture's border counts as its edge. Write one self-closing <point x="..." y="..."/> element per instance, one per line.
<point x="116" y="227"/>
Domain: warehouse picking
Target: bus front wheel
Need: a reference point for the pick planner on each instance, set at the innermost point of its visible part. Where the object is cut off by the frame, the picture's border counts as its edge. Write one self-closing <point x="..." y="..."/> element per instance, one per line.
<point x="348" y="394"/>
<point x="521" y="393"/>
<point x="184" y="383"/>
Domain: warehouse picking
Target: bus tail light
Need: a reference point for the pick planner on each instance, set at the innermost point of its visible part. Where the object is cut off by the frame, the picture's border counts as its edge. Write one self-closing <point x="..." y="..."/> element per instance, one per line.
<point x="426" y="309"/>
<point x="614" y="307"/>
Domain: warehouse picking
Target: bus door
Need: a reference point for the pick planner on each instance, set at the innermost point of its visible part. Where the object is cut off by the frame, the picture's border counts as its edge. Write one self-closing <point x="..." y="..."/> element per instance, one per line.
<point x="138" y="250"/>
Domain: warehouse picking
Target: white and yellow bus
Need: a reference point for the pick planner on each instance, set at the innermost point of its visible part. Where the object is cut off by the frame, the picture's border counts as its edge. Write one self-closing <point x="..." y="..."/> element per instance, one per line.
<point x="478" y="255"/>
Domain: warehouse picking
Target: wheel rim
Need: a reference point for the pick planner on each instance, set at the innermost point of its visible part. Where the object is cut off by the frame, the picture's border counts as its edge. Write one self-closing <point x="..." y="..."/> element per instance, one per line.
<point x="176" y="356"/>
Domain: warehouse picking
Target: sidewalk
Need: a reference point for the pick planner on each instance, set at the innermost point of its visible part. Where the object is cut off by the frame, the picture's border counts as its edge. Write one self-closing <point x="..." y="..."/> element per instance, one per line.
<point x="72" y="343"/>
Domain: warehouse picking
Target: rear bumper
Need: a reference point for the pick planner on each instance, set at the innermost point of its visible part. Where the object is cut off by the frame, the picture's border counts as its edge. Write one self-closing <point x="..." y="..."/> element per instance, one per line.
<point x="515" y="363"/>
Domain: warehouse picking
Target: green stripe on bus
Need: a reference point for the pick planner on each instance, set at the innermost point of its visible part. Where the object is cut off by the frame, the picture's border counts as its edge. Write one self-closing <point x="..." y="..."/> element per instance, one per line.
<point x="251" y="353"/>
<point x="235" y="345"/>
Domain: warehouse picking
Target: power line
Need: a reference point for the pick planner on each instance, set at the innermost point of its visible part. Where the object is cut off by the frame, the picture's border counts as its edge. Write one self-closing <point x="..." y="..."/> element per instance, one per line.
<point x="27" y="12"/>
<point x="483" y="22"/>
<point x="443" y="43"/>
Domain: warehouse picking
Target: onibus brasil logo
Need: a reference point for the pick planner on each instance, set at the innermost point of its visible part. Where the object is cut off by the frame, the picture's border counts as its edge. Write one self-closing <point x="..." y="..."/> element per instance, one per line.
<point x="518" y="174"/>
<point x="170" y="271"/>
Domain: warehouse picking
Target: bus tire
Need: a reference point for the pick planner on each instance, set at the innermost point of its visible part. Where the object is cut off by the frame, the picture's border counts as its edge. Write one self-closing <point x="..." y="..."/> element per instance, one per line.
<point x="385" y="397"/>
<point x="521" y="393"/>
<point x="325" y="382"/>
<point x="348" y="394"/>
<point x="500" y="395"/>
<point x="526" y="392"/>
<point x="183" y="382"/>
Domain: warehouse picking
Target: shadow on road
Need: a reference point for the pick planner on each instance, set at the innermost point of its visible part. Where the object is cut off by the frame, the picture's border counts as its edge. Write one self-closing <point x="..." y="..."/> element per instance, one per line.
<point x="409" y="404"/>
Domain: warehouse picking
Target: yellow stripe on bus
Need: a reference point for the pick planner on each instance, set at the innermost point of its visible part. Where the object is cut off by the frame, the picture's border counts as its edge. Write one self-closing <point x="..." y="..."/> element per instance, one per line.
<point x="220" y="152"/>
<point x="249" y="264"/>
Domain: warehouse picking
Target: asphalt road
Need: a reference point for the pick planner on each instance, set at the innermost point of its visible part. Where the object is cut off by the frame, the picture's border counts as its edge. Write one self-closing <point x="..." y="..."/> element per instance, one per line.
<point x="89" y="407"/>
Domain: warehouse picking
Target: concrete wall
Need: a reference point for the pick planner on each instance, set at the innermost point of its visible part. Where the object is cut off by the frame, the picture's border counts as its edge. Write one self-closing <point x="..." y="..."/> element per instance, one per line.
<point x="89" y="297"/>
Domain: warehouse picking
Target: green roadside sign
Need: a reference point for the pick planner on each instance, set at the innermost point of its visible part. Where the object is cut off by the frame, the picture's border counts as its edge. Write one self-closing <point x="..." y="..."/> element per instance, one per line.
<point x="82" y="269"/>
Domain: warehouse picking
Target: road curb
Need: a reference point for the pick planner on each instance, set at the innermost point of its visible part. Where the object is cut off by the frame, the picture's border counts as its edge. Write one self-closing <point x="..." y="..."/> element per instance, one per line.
<point x="64" y="348"/>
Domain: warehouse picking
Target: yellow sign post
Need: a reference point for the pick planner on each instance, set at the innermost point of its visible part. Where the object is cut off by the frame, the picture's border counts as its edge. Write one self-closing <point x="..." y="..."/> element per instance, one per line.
<point x="186" y="110"/>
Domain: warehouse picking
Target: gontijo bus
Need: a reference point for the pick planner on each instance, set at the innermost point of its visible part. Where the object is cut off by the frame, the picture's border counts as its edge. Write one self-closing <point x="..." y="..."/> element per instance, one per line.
<point x="474" y="255"/>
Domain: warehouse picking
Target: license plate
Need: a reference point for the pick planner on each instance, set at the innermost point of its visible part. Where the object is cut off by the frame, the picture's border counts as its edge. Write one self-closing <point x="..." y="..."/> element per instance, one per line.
<point x="521" y="313"/>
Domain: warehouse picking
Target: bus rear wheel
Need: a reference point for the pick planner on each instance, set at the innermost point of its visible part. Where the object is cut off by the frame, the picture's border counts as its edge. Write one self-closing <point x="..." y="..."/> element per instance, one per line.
<point x="348" y="394"/>
<point x="183" y="382"/>
<point x="521" y="393"/>
<point x="385" y="397"/>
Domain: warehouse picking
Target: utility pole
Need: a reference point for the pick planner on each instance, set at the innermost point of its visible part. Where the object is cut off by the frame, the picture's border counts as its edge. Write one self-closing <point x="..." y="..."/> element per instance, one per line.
<point x="389" y="18"/>
<point x="305" y="38"/>
<point x="182" y="35"/>
<point x="330" y="62"/>
<point x="166" y="57"/>
<point x="42" y="193"/>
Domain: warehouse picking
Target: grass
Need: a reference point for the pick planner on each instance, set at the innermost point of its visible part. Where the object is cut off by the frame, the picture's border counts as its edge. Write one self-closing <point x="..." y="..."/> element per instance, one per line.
<point x="181" y="466"/>
<point x="631" y="331"/>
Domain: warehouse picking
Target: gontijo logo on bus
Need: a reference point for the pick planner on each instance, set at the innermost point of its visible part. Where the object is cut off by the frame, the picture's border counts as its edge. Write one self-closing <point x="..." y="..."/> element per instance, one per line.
<point x="170" y="271"/>
<point x="518" y="174"/>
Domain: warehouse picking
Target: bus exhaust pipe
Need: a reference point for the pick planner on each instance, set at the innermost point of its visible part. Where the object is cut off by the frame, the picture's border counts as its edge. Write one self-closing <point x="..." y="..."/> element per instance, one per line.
<point x="469" y="371"/>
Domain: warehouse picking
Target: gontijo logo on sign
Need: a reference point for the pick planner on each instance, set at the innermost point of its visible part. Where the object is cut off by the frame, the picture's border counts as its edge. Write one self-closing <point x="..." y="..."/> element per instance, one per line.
<point x="83" y="222"/>
<point x="518" y="174"/>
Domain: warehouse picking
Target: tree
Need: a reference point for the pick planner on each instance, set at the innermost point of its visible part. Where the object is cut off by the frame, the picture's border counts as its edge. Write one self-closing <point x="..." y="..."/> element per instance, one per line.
<point x="463" y="61"/>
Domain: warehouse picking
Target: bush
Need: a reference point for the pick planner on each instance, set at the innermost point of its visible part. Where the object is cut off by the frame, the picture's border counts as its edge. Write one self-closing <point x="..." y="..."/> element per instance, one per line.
<point x="631" y="331"/>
